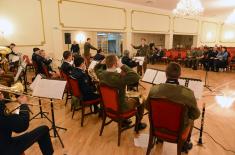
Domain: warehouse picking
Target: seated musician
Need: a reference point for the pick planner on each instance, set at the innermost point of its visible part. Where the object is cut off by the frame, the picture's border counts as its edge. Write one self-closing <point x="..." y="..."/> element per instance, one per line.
<point x="42" y="60"/>
<point x="99" y="55"/>
<point x="179" y="94"/>
<point x="18" y="123"/>
<point x="15" y="64"/>
<point x="67" y="65"/>
<point x="152" y="54"/>
<point x="127" y="60"/>
<point x="112" y="78"/>
<point x="221" y="59"/>
<point x="87" y="88"/>
<point x="35" y="54"/>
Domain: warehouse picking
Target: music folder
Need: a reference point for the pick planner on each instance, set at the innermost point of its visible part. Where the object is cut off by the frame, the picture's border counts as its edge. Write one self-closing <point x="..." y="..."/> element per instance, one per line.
<point x="48" y="88"/>
<point x="155" y="77"/>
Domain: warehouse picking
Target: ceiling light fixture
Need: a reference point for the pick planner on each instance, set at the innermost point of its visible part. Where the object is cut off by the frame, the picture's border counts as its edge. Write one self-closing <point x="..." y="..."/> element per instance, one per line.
<point x="188" y="8"/>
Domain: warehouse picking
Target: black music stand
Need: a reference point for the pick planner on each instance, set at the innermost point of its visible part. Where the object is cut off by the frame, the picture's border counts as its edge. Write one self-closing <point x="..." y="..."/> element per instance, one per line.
<point x="41" y="113"/>
<point x="206" y="85"/>
<point x="51" y="89"/>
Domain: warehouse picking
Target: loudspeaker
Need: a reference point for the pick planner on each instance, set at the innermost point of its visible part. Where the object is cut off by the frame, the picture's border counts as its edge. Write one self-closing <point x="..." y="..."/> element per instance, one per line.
<point x="67" y="38"/>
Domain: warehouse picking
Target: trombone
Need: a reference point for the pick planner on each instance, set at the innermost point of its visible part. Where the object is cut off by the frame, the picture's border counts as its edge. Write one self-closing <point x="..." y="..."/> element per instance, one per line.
<point x="16" y="89"/>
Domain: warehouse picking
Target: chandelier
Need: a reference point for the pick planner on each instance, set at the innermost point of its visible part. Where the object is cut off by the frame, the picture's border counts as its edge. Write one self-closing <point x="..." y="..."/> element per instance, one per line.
<point x="188" y="8"/>
<point x="231" y="18"/>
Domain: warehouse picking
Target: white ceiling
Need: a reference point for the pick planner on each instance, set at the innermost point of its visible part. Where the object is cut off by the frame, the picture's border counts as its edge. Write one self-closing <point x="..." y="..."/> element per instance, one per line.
<point x="212" y="8"/>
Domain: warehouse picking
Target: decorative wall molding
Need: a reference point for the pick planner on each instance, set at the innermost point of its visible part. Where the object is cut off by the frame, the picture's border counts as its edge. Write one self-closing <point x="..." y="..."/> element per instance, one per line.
<point x="187" y="33"/>
<point x="216" y="35"/>
<point x="221" y="31"/>
<point x="157" y="14"/>
<point x="64" y="25"/>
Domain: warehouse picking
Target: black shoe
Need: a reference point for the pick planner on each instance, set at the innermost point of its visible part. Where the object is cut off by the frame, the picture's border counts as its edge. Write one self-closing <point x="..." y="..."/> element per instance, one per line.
<point x="142" y="126"/>
<point x="159" y="141"/>
<point x="96" y="109"/>
<point x="127" y="121"/>
<point x="186" y="147"/>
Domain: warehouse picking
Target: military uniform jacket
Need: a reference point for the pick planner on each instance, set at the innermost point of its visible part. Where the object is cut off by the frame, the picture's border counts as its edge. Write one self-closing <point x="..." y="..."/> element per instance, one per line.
<point x="12" y="123"/>
<point x="142" y="50"/>
<point x="87" y="48"/>
<point x="178" y="94"/>
<point x="117" y="80"/>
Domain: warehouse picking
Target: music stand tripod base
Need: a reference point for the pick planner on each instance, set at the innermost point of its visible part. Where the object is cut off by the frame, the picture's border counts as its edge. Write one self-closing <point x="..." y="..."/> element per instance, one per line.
<point x="42" y="113"/>
<point x="54" y="127"/>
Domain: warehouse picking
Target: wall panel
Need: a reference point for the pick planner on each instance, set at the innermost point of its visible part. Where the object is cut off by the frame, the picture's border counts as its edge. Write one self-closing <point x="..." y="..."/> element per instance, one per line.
<point x="227" y="34"/>
<point x="75" y="14"/>
<point x="150" y="22"/>
<point x="26" y="20"/>
<point x="208" y="32"/>
<point x="185" y="26"/>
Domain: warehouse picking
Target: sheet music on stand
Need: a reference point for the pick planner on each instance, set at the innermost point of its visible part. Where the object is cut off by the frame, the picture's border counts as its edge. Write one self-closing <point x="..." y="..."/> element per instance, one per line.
<point x="46" y="88"/>
<point x="140" y="60"/>
<point x="35" y="81"/>
<point x="154" y="76"/>
<point x="92" y="65"/>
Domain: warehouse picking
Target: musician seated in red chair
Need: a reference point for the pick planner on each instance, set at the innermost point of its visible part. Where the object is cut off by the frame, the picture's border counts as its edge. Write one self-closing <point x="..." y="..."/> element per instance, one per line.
<point x="112" y="78"/>
<point x="43" y="60"/>
<point x="179" y="94"/>
<point x="86" y="86"/>
<point x="18" y="123"/>
<point x="67" y="66"/>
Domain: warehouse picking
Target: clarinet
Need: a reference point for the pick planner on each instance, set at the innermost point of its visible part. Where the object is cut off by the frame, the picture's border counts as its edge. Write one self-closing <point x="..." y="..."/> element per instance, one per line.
<point x="202" y="124"/>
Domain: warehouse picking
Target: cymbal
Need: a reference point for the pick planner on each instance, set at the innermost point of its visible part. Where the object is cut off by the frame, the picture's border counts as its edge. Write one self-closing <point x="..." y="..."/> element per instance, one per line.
<point x="4" y="50"/>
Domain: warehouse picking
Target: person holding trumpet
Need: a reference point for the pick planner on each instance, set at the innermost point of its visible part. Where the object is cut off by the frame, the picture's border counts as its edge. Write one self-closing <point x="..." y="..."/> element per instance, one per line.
<point x="18" y="123"/>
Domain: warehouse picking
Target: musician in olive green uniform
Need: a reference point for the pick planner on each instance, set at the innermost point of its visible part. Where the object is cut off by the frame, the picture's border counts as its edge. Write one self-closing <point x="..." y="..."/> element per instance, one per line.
<point x="174" y="92"/>
<point x="87" y="48"/>
<point x="142" y="51"/>
<point x="112" y="78"/>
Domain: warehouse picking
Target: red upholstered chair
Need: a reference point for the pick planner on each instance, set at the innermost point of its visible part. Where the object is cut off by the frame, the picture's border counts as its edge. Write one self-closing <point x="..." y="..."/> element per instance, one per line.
<point x="111" y="109"/>
<point x="68" y="87"/>
<point x="77" y="93"/>
<point x="182" y="57"/>
<point x="166" y="123"/>
<point x="174" y="55"/>
<point x="28" y="61"/>
<point x="35" y="65"/>
<point x="167" y="56"/>
<point x="46" y="71"/>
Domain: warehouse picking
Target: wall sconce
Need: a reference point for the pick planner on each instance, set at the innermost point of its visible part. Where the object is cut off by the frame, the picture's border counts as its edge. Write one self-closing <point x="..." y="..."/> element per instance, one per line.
<point x="209" y="35"/>
<point x="229" y="35"/>
<point x="6" y="27"/>
<point x="80" y="37"/>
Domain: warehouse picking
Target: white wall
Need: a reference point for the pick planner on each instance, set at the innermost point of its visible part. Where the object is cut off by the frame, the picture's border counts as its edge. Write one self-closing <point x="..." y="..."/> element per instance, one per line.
<point x="41" y="23"/>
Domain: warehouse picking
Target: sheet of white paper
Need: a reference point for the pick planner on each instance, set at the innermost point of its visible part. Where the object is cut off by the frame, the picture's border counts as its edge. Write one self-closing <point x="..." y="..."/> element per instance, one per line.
<point x="52" y="89"/>
<point x="149" y="75"/>
<point x="140" y="60"/>
<point x="20" y="69"/>
<point x="15" y="58"/>
<point x="92" y="65"/>
<point x="142" y="140"/>
<point x="182" y="82"/>
<point x="196" y="87"/>
<point x="35" y="81"/>
<point x="119" y="70"/>
<point x="160" y="78"/>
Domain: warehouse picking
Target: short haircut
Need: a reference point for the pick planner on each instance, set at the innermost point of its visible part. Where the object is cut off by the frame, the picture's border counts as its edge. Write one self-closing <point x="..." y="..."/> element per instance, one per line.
<point x="66" y="54"/>
<point x="225" y="48"/>
<point x="173" y="71"/>
<point x="99" y="50"/>
<point x="12" y="44"/>
<point x="35" y="49"/>
<point x="110" y="60"/>
<point x="78" y="60"/>
<point x="41" y="50"/>
<point x="126" y="52"/>
<point x="143" y="39"/>
<point x="88" y="39"/>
